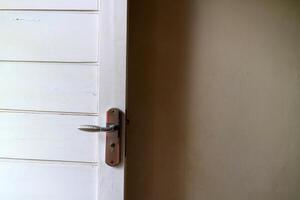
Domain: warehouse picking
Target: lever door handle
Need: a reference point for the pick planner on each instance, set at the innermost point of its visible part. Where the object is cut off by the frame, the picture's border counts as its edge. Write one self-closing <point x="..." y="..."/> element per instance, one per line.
<point x="113" y="136"/>
<point x="92" y="128"/>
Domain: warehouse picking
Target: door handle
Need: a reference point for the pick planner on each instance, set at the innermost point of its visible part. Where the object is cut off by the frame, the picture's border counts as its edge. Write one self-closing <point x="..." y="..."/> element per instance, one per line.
<point x="113" y="136"/>
<point x="93" y="128"/>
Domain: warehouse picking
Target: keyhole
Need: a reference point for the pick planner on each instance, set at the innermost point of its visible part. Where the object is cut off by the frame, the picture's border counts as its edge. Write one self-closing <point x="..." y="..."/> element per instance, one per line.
<point x="113" y="145"/>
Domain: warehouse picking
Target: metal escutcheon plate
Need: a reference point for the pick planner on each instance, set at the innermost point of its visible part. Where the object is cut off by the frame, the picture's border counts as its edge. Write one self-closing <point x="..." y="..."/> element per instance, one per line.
<point x="113" y="138"/>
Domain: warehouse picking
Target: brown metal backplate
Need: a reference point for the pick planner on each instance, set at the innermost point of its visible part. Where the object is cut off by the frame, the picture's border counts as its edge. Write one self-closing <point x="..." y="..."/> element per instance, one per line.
<point x="113" y="138"/>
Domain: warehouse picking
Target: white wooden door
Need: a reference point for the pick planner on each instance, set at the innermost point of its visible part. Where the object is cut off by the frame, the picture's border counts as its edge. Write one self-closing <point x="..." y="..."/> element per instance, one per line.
<point x="62" y="65"/>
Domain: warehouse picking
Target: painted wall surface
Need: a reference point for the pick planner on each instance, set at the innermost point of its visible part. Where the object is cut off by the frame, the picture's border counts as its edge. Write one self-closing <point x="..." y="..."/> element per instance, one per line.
<point x="214" y="100"/>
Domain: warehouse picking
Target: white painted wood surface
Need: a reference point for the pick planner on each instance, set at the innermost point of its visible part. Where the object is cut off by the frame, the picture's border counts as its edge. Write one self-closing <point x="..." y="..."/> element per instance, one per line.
<point x="50" y="4"/>
<point x="49" y="87"/>
<point x="47" y="137"/>
<point x="49" y="36"/>
<point x="42" y="154"/>
<point x="47" y="181"/>
<point x="112" y="88"/>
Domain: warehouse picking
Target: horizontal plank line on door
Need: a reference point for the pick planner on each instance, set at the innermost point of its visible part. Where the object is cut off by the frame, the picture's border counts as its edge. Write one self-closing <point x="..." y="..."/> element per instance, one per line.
<point x="48" y="112"/>
<point x="96" y="64"/>
<point x="51" y="10"/>
<point x="41" y="161"/>
<point x="54" y="62"/>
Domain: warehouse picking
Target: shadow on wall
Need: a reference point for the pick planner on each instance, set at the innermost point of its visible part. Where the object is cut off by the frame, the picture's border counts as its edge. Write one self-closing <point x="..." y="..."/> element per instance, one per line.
<point x="158" y="55"/>
<point x="217" y="117"/>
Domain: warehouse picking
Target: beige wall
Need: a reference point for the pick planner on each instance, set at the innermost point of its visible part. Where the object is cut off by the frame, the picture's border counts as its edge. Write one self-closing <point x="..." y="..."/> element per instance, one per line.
<point x="214" y="100"/>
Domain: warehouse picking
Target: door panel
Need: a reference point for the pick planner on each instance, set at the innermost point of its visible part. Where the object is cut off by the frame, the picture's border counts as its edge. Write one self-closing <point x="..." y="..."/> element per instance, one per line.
<point x="34" y="181"/>
<point x="50" y="4"/>
<point x="49" y="87"/>
<point x="50" y="80"/>
<point x="48" y="36"/>
<point x="47" y="137"/>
